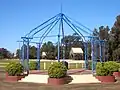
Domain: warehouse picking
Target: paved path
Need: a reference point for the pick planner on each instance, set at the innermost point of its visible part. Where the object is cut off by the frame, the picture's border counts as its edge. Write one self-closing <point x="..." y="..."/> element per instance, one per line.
<point x="69" y="72"/>
<point x="78" y="76"/>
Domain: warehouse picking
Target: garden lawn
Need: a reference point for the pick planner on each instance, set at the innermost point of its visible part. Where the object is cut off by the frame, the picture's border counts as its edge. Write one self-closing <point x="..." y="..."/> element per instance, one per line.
<point x="3" y="63"/>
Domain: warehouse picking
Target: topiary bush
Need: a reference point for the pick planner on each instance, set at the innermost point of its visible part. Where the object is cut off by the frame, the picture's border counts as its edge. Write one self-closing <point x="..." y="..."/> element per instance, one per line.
<point x="101" y="70"/>
<point x="57" y="70"/>
<point x="33" y="65"/>
<point x="119" y="67"/>
<point x="112" y="66"/>
<point x="106" y="68"/>
<point x="14" y="69"/>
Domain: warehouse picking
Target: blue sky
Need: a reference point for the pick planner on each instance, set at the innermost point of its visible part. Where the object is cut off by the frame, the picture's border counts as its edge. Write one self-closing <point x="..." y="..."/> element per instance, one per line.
<point x="18" y="17"/>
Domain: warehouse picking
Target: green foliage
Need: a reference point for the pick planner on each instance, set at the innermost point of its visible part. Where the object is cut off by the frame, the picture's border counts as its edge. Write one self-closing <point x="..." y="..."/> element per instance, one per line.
<point x="4" y="53"/>
<point x="14" y="69"/>
<point x="57" y="70"/>
<point x="90" y="65"/>
<point x="116" y="54"/>
<point x="103" y="34"/>
<point x="33" y="50"/>
<point x="101" y="70"/>
<point x="71" y="41"/>
<point x="114" y="41"/>
<point x="89" y="50"/>
<point x="119" y="67"/>
<point x="18" y="53"/>
<point x="33" y="65"/>
<point x="49" y="48"/>
<point x="112" y="66"/>
<point x="106" y="68"/>
<point x="50" y="55"/>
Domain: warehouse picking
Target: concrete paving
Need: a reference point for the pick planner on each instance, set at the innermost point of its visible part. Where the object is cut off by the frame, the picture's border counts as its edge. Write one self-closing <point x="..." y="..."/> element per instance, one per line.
<point x="37" y="78"/>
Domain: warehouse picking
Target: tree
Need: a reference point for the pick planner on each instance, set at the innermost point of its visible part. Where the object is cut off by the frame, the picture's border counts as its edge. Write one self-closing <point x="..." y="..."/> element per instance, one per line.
<point x="96" y="50"/>
<point x="33" y="52"/>
<point x="116" y="55"/>
<point x="104" y="35"/>
<point x="96" y="32"/>
<point x="104" y="32"/>
<point x="114" y="40"/>
<point x="4" y="53"/>
<point x="49" y="48"/>
<point x="71" y="41"/>
<point x="24" y="47"/>
<point x="18" y="53"/>
<point x="89" y="50"/>
<point x="101" y="34"/>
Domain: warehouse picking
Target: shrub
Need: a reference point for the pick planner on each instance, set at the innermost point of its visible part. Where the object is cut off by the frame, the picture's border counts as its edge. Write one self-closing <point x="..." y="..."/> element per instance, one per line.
<point x="106" y="68"/>
<point x="14" y="69"/>
<point x="112" y="66"/>
<point x="57" y="70"/>
<point x="119" y="67"/>
<point x="33" y="65"/>
<point x="101" y="70"/>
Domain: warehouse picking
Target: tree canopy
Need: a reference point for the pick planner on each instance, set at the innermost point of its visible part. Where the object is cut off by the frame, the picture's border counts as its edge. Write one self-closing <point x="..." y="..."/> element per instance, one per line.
<point x="114" y="41"/>
<point x="4" y="53"/>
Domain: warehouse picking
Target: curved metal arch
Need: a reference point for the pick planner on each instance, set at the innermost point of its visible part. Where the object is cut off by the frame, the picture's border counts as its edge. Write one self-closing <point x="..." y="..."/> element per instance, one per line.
<point x="76" y="25"/>
<point x="81" y="29"/>
<point x="43" y="35"/>
<point x="63" y="47"/>
<point x="49" y="31"/>
<point x="79" y="23"/>
<point x="41" y="25"/>
<point x="47" y="36"/>
<point x="75" y="30"/>
<point x="72" y="28"/>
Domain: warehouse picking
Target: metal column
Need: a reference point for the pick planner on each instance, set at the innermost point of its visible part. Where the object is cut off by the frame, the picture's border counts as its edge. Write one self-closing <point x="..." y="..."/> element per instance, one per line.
<point x="58" y="48"/>
<point x="63" y="37"/>
<point x="59" y="39"/>
<point x="92" y="54"/>
<point x="86" y="59"/>
<point x="23" y="54"/>
<point x="27" y="65"/>
<point x="101" y="52"/>
<point x="38" y="56"/>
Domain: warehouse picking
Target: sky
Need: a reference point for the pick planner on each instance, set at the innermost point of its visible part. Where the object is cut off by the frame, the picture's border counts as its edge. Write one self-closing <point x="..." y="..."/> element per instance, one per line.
<point x="18" y="17"/>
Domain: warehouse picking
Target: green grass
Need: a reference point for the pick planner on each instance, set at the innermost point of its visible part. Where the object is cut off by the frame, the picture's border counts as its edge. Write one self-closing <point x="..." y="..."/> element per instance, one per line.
<point x="3" y="64"/>
<point x="42" y="67"/>
<point x="75" y="65"/>
<point x="47" y="65"/>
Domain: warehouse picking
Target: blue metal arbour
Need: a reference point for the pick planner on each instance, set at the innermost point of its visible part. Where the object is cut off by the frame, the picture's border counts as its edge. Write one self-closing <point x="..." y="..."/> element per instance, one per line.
<point x="38" y="55"/>
<point x="50" y="24"/>
<point x="41" y="25"/>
